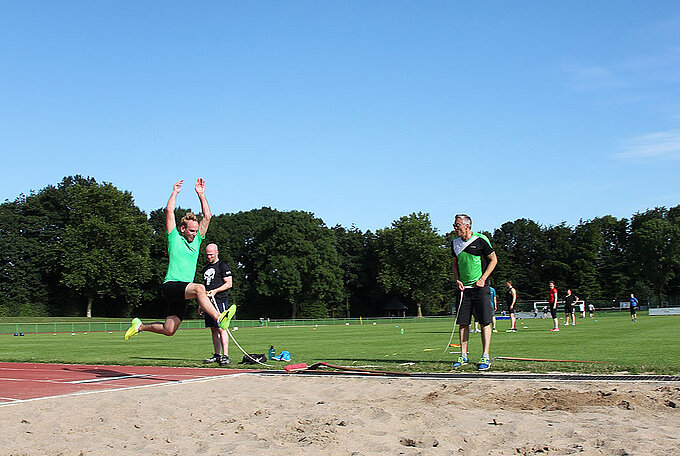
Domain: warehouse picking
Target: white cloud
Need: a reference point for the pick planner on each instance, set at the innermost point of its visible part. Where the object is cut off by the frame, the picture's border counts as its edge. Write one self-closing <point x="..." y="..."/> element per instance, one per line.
<point x="640" y="71"/>
<point x="662" y="144"/>
<point x="592" y="77"/>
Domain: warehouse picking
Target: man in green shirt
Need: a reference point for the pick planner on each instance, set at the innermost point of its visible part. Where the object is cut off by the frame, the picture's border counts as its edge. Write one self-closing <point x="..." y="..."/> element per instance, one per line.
<point x="183" y="249"/>
<point x="473" y="261"/>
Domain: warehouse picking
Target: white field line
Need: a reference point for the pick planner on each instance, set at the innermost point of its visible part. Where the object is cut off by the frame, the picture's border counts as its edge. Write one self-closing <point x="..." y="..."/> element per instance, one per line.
<point x="83" y="393"/>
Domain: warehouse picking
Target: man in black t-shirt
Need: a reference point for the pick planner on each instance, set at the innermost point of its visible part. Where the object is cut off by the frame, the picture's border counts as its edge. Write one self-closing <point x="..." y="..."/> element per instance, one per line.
<point x="217" y="280"/>
<point x="569" y="307"/>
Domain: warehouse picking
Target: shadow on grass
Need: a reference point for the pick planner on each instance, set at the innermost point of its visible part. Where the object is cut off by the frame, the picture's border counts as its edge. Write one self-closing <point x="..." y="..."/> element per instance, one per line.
<point x="389" y="361"/>
<point x="152" y="358"/>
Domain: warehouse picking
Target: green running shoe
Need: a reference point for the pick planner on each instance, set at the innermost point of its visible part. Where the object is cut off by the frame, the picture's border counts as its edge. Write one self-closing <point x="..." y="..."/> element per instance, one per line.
<point x="133" y="329"/>
<point x="461" y="362"/>
<point x="225" y="317"/>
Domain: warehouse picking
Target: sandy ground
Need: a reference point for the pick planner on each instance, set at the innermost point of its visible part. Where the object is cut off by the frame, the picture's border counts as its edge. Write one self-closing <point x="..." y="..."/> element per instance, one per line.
<point x="289" y="415"/>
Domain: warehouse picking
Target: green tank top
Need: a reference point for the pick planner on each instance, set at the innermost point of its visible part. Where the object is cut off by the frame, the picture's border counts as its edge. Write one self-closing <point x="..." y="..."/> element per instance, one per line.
<point x="183" y="257"/>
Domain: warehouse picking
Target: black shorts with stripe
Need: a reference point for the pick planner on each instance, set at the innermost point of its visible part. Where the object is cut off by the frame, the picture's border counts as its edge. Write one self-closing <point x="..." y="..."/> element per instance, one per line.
<point x="173" y="293"/>
<point x="476" y="301"/>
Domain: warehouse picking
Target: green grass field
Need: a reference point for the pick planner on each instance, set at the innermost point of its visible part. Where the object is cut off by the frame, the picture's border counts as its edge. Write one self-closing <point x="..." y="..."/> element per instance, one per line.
<point x="652" y="345"/>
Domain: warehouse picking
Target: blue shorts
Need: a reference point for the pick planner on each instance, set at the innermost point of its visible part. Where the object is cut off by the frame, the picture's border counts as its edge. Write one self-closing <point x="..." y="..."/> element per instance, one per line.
<point x="221" y="307"/>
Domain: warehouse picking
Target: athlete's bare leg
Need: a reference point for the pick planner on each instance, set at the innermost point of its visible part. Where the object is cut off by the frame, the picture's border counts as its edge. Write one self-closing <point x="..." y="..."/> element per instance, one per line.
<point x="197" y="291"/>
<point x="171" y="324"/>
<point x="464" y="334"/>
<point x="167" y="328"/>
<point x="224" y="340"/>
<point x="220" y="340"/>
<point x="486" y="339"/>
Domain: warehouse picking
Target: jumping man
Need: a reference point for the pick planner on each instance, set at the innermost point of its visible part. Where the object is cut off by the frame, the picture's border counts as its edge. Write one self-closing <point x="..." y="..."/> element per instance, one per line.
<point x="183" y="249"/>
<point x="473" y="261"/>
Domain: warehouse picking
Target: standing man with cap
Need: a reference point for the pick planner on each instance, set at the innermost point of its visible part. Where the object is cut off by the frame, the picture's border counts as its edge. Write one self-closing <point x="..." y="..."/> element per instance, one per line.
<point x="473" y="261"/>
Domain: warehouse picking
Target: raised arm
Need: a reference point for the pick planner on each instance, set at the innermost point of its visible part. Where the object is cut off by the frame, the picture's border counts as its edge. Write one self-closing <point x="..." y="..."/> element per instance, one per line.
<point x="170" y="223"/>
<point x="205" y="208"/>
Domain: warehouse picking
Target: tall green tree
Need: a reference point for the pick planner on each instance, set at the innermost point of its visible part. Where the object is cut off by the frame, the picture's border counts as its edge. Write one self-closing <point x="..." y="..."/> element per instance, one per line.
<point x="414" y="262"/>
<point x="557" y="265"/>
<point x="588" y="241"/>
<point x="613" y="274"/>
<point x="522" y="250"/>
<point x="31" y="248"/>
<point x="23" y="290"/>
<point x="655" y="252"/>
<point x="294" y="267"/>
<point x="359" y="263"/>
<point x="106" y="247"/>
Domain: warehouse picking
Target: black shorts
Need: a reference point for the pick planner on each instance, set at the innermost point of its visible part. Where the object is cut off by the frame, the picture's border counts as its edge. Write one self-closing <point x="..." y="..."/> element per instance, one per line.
<point x="221" y="307"/>
<point x="553" y="312"/>
<point x="173" y="293"/>
<point x="476" y="301"/>
<point x="510" y="310"/>
<point x="568" y="309"/>
<point x="633" y="310"/>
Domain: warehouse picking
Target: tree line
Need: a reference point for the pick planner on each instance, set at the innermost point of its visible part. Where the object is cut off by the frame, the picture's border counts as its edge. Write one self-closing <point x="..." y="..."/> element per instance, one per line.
<point x="84" y="248"/>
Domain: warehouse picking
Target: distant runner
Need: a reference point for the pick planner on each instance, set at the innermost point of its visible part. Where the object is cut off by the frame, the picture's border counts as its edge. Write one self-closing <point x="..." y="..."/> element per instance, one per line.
<point x="633" y="308"/>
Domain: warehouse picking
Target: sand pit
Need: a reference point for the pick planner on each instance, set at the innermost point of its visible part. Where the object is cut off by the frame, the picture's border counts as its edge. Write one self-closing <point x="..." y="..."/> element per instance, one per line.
<point x="284" y="415"/>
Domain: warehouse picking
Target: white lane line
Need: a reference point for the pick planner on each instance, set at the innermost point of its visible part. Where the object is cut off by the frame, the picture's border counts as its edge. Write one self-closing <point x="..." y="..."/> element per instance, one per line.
<point x="108" y="379"/>
<point x="83" y="393"/>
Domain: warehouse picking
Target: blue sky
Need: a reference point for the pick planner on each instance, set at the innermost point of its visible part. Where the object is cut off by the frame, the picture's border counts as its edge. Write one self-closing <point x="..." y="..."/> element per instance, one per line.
<point x="360" y="112"/>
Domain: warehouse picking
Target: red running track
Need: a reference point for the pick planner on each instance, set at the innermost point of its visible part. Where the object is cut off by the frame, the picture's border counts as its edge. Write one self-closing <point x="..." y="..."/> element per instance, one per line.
<point x="28" y="381"/>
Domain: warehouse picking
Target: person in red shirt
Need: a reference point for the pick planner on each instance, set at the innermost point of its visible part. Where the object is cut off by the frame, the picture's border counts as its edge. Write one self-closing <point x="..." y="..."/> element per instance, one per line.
<point x="552" y="304"/>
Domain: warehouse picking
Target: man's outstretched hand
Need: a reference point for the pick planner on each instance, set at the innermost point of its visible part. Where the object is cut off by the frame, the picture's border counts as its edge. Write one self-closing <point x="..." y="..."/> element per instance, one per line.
<point x="200" y="186"/>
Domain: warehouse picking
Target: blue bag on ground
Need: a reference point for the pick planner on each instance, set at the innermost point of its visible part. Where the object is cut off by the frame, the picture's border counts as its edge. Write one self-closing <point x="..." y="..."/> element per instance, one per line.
<point x="283" y="356"/>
